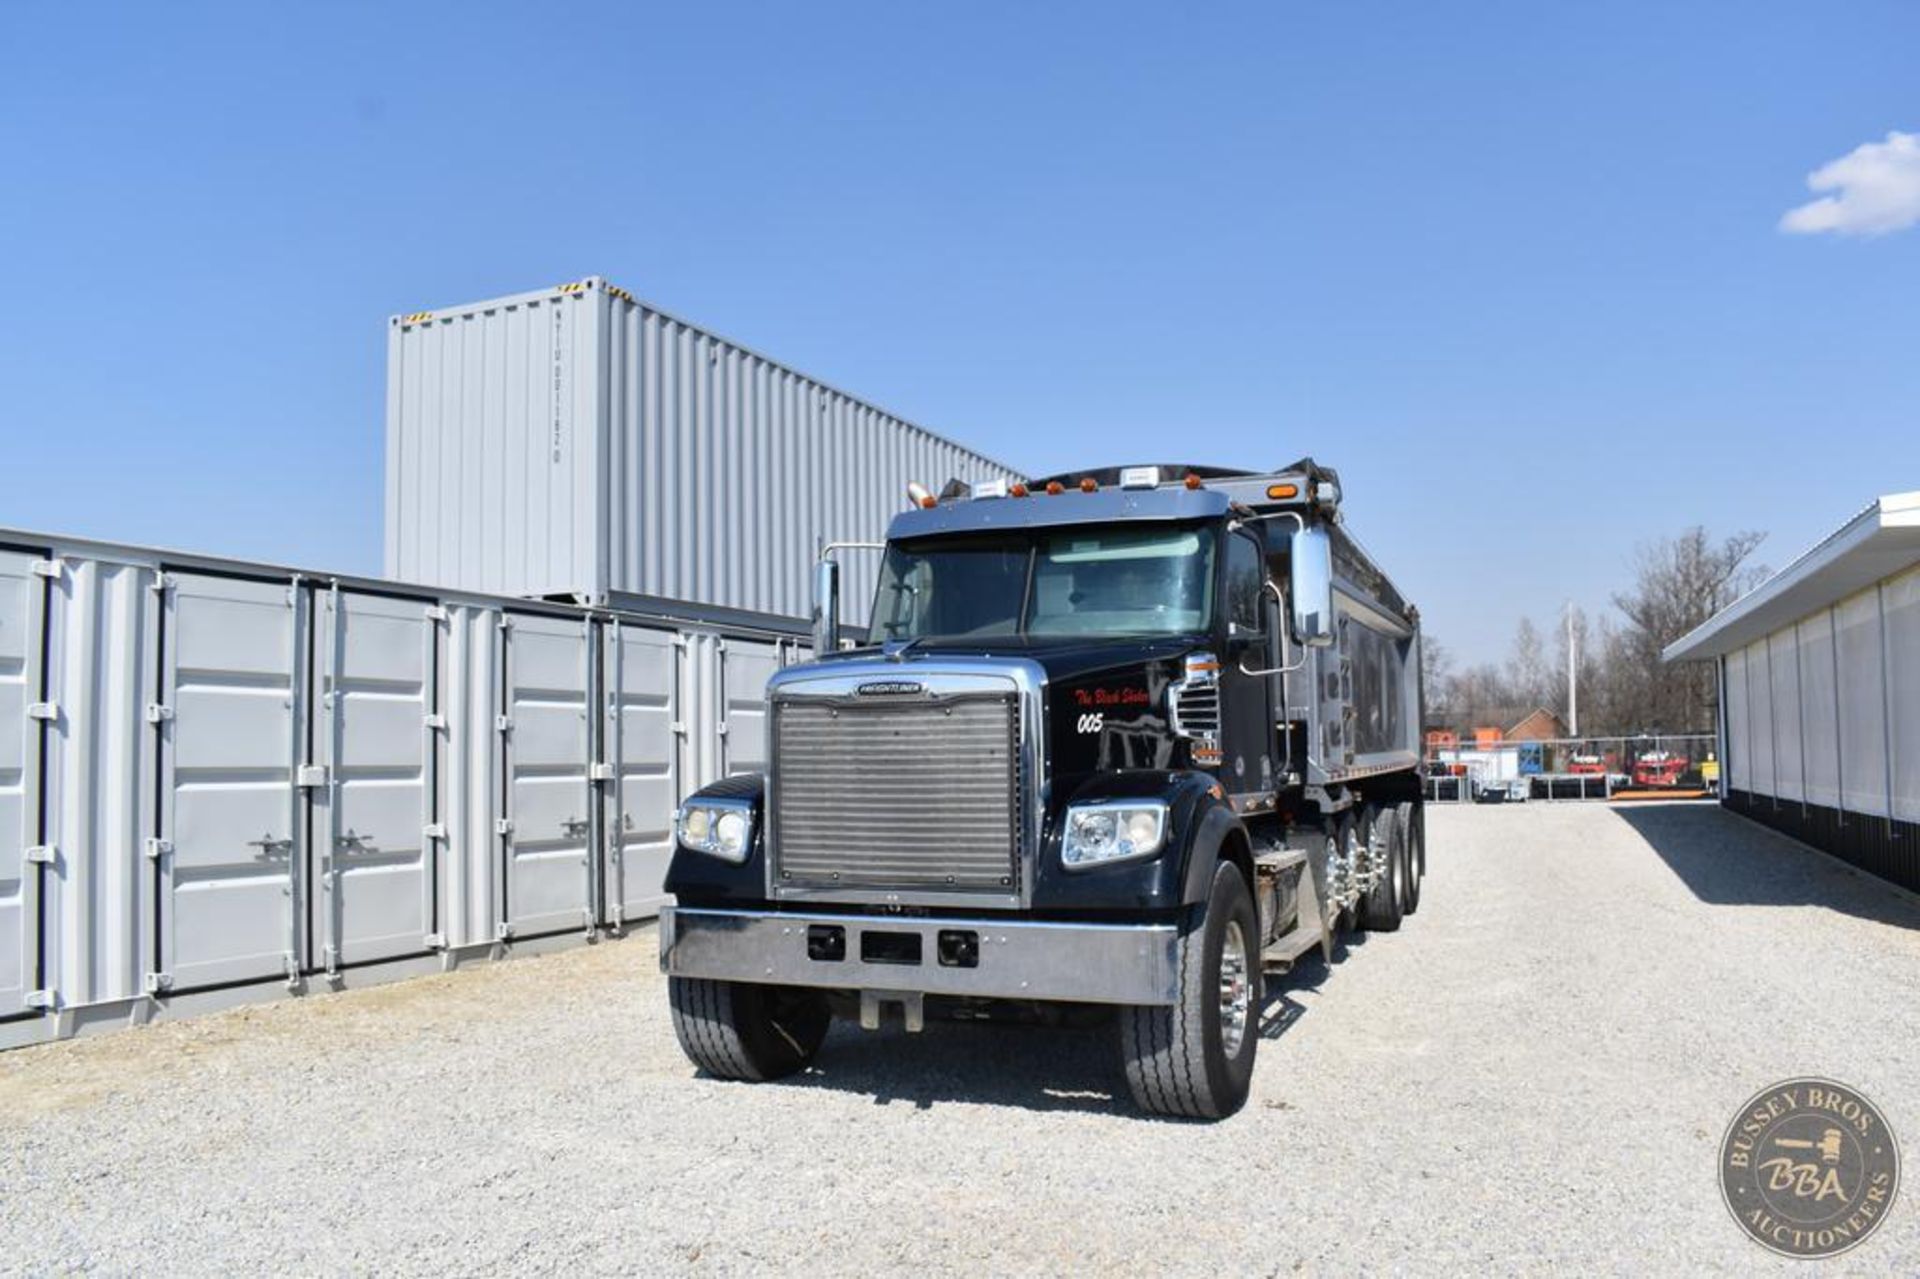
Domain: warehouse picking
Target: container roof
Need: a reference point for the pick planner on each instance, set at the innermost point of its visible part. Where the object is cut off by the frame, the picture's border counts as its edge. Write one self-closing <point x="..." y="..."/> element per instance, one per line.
<point x="1878" y="543"/>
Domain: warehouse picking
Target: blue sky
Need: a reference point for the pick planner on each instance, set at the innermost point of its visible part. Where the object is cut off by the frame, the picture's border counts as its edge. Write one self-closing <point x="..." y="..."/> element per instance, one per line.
<point x="1515" y="269"/>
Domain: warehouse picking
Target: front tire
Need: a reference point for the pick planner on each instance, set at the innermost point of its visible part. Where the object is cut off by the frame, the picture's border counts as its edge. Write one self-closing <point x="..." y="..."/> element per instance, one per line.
<point x="737" y="1030"/>
<point x="1194" y="1059"/>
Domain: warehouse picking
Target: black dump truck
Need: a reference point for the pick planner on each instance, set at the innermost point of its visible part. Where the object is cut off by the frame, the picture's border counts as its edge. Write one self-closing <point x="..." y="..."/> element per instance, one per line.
<point x="1127" y="738"/>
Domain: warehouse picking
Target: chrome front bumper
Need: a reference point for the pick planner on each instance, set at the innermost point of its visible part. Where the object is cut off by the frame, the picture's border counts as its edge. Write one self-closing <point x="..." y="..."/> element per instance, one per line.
<point x="1025" y="959"/>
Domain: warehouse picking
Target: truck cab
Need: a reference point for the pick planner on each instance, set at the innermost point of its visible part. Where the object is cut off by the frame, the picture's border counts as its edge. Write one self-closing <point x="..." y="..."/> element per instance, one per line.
<point x="1125" y="738"/>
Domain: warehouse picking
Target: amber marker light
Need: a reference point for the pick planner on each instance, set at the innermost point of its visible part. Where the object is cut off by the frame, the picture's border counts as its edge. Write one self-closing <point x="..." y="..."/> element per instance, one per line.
<point x="1281" y="492"/>
<point x="1087" y="484"/>
<point x="1017" y="490"/>
<point x="1192" y="481"/>
<point x="1054" y="488"/>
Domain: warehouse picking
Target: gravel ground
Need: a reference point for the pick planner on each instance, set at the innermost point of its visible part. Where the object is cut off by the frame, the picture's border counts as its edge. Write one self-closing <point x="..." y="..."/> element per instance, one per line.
<point x="1534" y="1073"/>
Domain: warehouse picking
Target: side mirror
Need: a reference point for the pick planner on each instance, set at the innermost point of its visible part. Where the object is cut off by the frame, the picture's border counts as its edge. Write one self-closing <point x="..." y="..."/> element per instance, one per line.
<point x="826" y="607"/>
<point x="1312" y="583"/>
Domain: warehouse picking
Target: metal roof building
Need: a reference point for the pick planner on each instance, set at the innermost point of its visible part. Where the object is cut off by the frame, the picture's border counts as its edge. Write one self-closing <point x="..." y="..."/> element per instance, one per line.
<point x="1820" y="693"/>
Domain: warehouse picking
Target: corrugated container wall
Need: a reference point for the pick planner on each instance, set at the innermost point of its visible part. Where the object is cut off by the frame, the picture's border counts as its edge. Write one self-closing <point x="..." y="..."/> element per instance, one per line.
<point x="225" y="780"/>
<point x="577" y="442"/>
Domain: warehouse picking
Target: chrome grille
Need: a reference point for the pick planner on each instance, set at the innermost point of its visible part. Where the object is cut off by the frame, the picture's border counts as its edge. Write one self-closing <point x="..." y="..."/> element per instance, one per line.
<point x="909" y="793"/>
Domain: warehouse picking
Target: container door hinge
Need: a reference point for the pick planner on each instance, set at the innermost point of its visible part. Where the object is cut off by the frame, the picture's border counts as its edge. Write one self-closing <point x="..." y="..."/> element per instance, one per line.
<point x="161" y="584"/>
<point x="48" y="711"/>
<point x="158" y="848"/>
<point x="436" y="722"/>
<point x="434" y="941"/>
<point x="503" y="723"/>
<point x="504" y="932"/>
<point x="311" y="775"/>
<point x="158" y="714"/>
<point x="503" y="826"/>
<point x="505" y="624"/>
<point x="42" y="999"/>
<point x="721" y="728"/>
<point x="51" y="569"/>
<point x="600" y="773"/>
<point x="436" y="613"/>
<point x="434" y="830"/>
<point x="159" y="983"/>
<point x="43" y="855"/>
<point x="679" y="728"/>
<point x="291" y="966"/>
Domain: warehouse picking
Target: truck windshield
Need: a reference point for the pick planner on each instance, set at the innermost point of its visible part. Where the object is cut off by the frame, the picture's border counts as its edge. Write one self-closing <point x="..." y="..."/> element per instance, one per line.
<point x="1053" y="583"/>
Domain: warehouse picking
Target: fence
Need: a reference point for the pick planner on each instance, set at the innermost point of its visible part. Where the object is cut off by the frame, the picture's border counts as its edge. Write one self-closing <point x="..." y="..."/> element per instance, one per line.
<point x="1570" y="768"/>
<point x="219" y="779"/>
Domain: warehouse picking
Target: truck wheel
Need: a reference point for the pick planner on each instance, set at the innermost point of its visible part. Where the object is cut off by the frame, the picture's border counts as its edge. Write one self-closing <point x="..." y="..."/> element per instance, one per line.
<point x="1380" y="908"/>
<point x="1195" y="1058"/>
<point x="1347" y="836"/>
<point x="737" y="1030"/>
<point x="1413" y="848"/>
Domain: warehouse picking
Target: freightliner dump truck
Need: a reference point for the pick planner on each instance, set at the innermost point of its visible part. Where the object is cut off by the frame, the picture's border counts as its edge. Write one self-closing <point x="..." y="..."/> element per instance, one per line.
<point x="1128" y="737"/>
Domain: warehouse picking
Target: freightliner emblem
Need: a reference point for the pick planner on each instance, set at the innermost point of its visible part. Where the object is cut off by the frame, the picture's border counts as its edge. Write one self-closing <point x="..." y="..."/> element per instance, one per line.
<point x="890" y="688"/>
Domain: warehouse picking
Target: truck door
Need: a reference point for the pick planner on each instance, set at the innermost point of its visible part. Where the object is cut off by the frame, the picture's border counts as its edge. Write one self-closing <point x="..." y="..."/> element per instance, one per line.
<point x="1247" y="733"/>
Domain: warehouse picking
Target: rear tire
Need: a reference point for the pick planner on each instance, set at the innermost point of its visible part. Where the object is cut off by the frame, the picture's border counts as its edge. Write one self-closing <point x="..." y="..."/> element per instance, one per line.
<point x="1380" y="907"/>
<point x="1194" y="1059"/>
<point x="1346" y="838"/>
<point x="1409" y="817"/>
<point x="736" y="1030"/>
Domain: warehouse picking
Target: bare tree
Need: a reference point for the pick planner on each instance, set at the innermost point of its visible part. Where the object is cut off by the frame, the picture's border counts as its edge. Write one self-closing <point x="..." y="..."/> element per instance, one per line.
<point x="1529" y="682"/>
<point x="1436" y="672"/>
<point x="1679" y="583"/>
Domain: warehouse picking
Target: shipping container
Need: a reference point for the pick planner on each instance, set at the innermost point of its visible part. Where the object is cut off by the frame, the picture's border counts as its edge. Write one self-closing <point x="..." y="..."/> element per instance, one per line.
<point x="577" y="443"/>
<point x="1819" y="674"/>
<point x="223" y="780"/>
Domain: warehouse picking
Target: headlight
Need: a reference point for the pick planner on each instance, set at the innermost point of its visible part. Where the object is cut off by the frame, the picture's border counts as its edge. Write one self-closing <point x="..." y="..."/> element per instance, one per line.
<point x="1112" y="832"/>
<point x="721" y="828"/>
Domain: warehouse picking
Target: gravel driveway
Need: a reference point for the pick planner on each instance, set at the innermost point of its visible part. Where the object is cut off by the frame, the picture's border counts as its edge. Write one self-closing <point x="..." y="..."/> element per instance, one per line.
<point x="1535" y="1072"/>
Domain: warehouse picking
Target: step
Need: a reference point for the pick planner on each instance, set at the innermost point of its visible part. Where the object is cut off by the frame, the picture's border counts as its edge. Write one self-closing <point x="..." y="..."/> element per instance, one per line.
<point x="1284" y="950"/>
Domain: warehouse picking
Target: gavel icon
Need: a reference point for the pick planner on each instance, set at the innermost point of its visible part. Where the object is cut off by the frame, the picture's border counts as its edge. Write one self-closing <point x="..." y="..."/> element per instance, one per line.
<point x="1828" y="1145"/>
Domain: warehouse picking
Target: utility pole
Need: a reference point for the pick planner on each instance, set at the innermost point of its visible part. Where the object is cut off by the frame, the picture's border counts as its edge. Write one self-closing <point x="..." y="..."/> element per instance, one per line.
<point x="1573" y="678"/>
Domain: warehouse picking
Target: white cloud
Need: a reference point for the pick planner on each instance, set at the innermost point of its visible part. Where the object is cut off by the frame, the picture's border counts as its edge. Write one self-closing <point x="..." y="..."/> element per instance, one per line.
<point x="1876" y="186"/>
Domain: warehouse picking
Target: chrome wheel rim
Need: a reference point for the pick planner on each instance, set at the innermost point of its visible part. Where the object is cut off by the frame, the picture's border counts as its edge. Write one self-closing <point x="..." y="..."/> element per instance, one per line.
<point x="1236" y="989"/>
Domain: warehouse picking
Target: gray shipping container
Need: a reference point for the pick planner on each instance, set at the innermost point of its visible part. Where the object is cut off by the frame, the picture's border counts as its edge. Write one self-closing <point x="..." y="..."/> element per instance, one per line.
<point x="578" y="443"/>
<point x="223" y="780"/>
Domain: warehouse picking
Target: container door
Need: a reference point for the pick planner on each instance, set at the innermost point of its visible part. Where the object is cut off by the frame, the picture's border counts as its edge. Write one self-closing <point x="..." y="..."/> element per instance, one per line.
<point x="231" y="805"/>
<point x="373" y="865"/>
<point x="642" y="731"/>
<point x="745" y="668"/>
<point x="22" y="617"/>
<point x="549" y="798"/>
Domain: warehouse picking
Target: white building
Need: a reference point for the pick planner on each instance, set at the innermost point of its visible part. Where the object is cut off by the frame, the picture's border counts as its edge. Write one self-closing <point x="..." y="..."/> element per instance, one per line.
<point x="1820" y="693"/>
